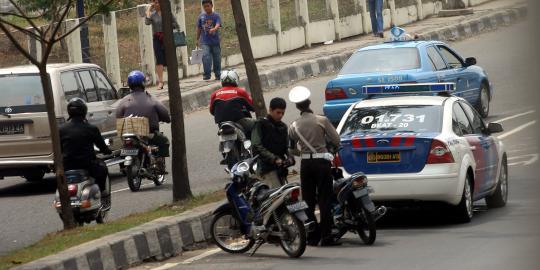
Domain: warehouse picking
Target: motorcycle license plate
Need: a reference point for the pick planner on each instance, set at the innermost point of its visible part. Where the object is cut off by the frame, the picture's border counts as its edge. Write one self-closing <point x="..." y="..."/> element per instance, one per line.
<point x="129" y="152"/>
<point x="360" y="192"/>
<point x="299" y="206"/>
<point x="228" y="137"/>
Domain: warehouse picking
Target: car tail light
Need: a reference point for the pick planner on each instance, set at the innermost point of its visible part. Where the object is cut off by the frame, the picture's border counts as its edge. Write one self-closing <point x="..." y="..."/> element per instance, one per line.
<point x="337" y="161"/>
<point x="335" y="93"/>
<point x="359" y="181"/>
<point x="295" y="195"/>
<point x="439" y="153"/>
<point x="72" y="190"/>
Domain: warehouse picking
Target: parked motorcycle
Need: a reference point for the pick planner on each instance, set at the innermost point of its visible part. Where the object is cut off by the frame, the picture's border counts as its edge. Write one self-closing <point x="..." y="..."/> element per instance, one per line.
<point x="352" y="208"/>
<point x="140" y="161"/>
<point x="256" y="214"/>
<point x="85" y="198"/>
<point x="233" y="143"/>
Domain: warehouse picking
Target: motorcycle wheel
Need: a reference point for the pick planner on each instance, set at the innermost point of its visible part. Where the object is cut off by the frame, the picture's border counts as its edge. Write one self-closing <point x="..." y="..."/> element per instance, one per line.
<point x="133" y="177"/>
<point x="366" y="227"/>
<point x="227" y="235"/>
<point x="232" y="157"/>
<point x="295" y="243"/>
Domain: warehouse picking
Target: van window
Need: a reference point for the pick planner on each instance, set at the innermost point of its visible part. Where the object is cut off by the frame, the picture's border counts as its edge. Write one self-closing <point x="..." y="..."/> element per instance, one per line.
<point x="106" y="91"/>
<point x="21" y="93"/>
<point x="70" y="85"/>
<point x="88" y="86"/>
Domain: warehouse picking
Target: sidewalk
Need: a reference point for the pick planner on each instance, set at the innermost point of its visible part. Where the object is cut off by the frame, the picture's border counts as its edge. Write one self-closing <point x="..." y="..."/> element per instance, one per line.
<point x="170" y="236"/>
<point x="286" y="69"/>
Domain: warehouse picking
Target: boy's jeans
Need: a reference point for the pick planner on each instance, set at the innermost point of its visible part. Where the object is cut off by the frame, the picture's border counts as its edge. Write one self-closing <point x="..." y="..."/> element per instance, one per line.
<point x="211" y="54"/>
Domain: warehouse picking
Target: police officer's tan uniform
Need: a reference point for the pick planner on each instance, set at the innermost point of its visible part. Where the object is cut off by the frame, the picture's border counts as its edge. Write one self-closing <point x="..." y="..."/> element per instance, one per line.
<point x="314" y="134"/>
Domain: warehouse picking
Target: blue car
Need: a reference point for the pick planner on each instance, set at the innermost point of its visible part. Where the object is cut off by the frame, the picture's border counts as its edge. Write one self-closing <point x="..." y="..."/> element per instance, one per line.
<point x="400" y="62"/>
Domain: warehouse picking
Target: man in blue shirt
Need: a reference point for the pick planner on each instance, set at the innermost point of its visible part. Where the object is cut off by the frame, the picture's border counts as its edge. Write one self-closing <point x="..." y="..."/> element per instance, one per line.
<point x="208" y="39"/>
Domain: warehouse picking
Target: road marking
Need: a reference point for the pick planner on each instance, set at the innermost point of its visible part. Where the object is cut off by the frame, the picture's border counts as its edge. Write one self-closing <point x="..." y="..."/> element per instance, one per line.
<point x="202" y="256"/>
<point x="531" y="158"/>
<point x="516" y="130"/>
<point x="124" y="189"/>
<point x="514" y="116"/>
<point x="166" y="266"/>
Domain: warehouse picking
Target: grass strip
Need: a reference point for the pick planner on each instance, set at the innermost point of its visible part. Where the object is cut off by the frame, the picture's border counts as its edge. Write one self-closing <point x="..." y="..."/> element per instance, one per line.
<point x="56" y="242"/>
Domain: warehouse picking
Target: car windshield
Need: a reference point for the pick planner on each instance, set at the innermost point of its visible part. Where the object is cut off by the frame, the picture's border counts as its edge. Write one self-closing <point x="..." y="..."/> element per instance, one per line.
<point x="21" y="93"/>
<point x="382" y="60"/>
<point x="402" y="118"/>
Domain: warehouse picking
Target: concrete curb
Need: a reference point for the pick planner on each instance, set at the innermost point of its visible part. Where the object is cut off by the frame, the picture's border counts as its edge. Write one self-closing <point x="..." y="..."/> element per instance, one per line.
<point x="159" y="239"/>
<point x="170" y="236"/>
<point x="283" y="76"/>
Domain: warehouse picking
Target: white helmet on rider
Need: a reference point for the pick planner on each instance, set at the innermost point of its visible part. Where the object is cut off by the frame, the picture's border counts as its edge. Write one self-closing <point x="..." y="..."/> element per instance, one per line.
<point x="299" y="94"/>
<point x="229" y="78"/>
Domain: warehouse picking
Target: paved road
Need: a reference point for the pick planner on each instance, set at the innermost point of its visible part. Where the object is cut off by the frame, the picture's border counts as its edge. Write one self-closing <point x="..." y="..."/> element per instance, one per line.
<point x="496" y="239"/>
<point x="26" y="207"/>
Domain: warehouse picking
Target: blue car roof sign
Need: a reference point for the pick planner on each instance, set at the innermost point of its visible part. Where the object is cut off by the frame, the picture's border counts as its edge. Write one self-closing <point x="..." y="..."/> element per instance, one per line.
<point x="412" y="88"/>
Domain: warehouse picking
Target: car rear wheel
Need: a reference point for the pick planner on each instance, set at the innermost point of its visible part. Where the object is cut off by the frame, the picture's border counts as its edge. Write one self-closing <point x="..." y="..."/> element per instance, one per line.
<point x="464" y="210"/>
<point x="34" y="175"/>
<point x="483" y="101"/>
<point x="500" y="196"/>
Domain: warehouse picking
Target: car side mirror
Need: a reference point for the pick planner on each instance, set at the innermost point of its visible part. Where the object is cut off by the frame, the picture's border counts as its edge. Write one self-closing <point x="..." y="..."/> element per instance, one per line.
<point x="470" y="61"/>
<point x="494" y="128"/>
<point x="123" y="91"/>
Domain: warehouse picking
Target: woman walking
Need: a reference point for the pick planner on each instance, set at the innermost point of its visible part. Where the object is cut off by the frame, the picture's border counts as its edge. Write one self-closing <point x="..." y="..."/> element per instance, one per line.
<point x="153" y="17"/>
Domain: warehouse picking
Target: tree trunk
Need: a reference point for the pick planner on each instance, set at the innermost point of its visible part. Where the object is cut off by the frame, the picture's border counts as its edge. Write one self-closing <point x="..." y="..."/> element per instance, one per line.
<point x="249" y="61"/>
<point x="61" y="184"/>
<point x="181" y="188"/>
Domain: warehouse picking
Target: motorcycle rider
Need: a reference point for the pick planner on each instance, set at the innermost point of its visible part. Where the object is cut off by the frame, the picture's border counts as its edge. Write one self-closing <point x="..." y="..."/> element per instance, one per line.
<point x="317" y="138"/>
<point x="232" y="103"/>
<point x="141" y="103"/>
<point x="78" y="138"/>
<point x="270" y="140"/>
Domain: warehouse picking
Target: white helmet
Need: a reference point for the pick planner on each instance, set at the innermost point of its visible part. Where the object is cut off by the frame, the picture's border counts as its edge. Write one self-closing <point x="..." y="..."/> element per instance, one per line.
<point x="229" y="77"/>
<point x="299" y="94"/>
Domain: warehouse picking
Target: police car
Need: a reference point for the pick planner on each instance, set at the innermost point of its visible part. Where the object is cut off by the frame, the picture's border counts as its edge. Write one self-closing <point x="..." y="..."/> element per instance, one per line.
<point x="434" y="147"/>
<point x="405" y="60"/>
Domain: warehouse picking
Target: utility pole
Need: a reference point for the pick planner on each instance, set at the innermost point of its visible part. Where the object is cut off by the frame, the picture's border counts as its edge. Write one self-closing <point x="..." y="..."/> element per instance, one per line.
<point x="249" y="61"/>
<point x="85" y="43"/>
<point x="181" y="187"/>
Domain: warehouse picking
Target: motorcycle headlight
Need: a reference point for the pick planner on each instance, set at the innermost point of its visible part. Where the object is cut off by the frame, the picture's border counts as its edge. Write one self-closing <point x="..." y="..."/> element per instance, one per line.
<point x="242" y="168"/>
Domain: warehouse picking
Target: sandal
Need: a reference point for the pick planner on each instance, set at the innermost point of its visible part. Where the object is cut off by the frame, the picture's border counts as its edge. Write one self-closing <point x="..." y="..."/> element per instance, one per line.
<point x="160" y="86"/>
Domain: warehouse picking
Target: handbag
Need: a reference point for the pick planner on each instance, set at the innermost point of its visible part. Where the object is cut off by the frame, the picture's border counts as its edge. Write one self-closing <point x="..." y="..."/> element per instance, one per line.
<point x="179" y="38"/>
<point x="196" y="56"/>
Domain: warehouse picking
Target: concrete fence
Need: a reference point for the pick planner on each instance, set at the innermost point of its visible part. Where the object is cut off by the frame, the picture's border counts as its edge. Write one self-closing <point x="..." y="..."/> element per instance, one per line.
<point x="279" y="41"/>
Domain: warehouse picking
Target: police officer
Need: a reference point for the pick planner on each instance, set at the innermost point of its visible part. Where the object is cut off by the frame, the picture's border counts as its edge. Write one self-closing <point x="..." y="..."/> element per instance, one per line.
<point x="78" y="138"/>
<point x="315" y="136"/>
<point x="270" y="141"/>
<point x="141" y="103"/>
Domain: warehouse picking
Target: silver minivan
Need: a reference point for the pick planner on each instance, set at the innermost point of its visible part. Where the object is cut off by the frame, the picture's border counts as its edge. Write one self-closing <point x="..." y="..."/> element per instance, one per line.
<point x="25" y="145"/>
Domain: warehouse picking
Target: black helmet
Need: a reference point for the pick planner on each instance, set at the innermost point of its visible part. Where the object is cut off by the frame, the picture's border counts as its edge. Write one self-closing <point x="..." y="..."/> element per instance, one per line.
<point x="77" y="107"/>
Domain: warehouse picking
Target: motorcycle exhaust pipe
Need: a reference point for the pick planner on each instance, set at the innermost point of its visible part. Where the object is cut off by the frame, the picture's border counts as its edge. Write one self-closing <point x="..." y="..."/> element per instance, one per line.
<point x="380" y="212"/>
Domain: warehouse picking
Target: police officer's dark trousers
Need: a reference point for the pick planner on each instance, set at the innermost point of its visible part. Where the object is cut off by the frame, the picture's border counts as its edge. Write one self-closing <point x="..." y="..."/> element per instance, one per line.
<point x="316" y="183"/>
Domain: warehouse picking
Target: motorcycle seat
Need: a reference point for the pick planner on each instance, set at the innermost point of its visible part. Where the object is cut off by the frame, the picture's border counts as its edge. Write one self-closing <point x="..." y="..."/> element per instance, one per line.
<point x="338" y="184"/>
<point x="263" y="194"/>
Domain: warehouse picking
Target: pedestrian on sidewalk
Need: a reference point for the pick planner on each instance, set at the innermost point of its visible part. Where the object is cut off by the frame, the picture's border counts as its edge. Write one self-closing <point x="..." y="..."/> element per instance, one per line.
<point x="270" y="139"/>
<point x="317" y="139"/>
<point x="153" y="17"/>
<point x="375" y="12"/>
<point x="208" y="39"/>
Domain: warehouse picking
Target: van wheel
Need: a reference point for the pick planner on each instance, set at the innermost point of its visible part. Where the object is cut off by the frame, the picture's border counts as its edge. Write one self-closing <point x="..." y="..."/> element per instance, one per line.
<point x="34" y="175"/>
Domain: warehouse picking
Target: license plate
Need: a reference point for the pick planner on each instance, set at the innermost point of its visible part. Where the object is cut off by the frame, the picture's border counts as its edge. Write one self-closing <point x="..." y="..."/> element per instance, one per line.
<point x="299" y="206"/>
<point x="228" y="137"/>
<point x="383" y="157"/>
<point x="360" y="192"/>
<point x="129" y="152"/>
<point x="11" y="129"/>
